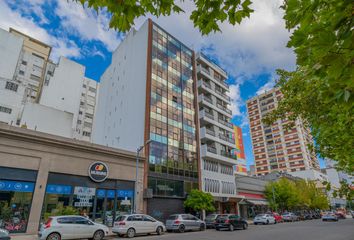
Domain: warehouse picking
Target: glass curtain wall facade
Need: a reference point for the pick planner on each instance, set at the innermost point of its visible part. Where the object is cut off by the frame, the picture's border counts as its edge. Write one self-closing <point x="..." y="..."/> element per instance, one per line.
<point x="173" y="150"/>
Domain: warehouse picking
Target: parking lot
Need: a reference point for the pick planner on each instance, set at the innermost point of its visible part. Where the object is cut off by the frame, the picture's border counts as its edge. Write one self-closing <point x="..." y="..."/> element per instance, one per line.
<point x="304" y="230"/>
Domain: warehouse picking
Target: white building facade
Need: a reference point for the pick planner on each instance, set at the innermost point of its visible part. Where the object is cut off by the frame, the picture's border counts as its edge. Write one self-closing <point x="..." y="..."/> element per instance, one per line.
<point x="216" y="132"/>
<point x="35" y="91"/>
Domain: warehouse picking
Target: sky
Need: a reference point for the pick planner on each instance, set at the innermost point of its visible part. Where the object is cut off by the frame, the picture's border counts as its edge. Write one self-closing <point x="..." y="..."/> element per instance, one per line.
<point x="250" y="53"/>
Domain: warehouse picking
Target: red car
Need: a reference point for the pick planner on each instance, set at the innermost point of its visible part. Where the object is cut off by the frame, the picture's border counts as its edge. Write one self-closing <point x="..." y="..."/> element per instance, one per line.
<point x="278" y="217"/>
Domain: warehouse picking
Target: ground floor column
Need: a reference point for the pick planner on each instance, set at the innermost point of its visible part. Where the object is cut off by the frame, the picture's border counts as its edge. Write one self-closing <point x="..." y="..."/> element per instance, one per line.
<point x="38" y="197"/>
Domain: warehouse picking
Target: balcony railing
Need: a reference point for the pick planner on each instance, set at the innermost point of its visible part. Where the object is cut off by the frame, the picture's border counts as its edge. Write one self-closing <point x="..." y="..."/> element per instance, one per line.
<point x="209" y="100"/>
<point x="207" y="85"/>
<point x="226" y="138"/>
<point x="210" y="132"/>
<point x="227" y="124"/>
<point x="228" y="155"/>
<point x="222" y="94"/>
<point x="224" y="108"/>
<point x="211" y="149"/>
<point x="209" y="115"/>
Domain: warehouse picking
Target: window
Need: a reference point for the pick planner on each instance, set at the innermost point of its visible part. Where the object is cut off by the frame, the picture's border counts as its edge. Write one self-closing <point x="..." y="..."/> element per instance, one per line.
<point x="78" y="121"/>
<point x="80" y="220"/>
<point x="92" y="89"/>
<point x="87" y="134"/>
<point x="148" y="219"/>
<point x="66" y="220"/>
<point x="24" y="63"/>
<point x="11" y="86"/>
<point x="84" y="86"/>
<point x="174" y="98"/>
<point x="80" y="112"/>
<point x="35" y="78"/>
<point x="5" y="110"/>
<point x="21" y="72"/>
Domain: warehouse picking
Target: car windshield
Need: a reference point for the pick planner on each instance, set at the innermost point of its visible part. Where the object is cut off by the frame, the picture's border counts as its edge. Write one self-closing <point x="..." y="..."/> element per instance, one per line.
<point x="120" y="218"/>
<point x="223" y="216"/>
<point x="211" y="216"/>
<point x="172" y="217"/>
<point x="260" y="215"/>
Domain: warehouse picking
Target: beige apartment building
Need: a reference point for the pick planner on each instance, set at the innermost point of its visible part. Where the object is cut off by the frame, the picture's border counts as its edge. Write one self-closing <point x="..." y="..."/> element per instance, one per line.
<point x="276" y="148"/>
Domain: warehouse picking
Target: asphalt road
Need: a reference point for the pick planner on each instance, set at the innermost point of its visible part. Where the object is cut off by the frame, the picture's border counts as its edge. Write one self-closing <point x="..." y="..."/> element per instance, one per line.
<point x="304" y="230"/>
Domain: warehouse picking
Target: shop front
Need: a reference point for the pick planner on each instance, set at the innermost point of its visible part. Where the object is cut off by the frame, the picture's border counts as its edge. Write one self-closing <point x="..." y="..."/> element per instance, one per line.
<point x="252" y="204"/>
<point x="42" y="175"/>
<point x="101" y="202"/>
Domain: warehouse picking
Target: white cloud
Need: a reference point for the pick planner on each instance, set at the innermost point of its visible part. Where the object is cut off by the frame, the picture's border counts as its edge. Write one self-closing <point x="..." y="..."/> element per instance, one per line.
<point x="61" y="46"/>
<point x="267" y="86"/>
<point x="86" y="23"/>
<point x="236" y="100"/>
<point x="256" y="46"/>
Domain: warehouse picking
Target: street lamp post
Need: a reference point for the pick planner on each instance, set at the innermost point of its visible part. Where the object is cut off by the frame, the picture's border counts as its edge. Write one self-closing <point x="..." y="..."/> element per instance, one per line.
<point x="138" y="150"/>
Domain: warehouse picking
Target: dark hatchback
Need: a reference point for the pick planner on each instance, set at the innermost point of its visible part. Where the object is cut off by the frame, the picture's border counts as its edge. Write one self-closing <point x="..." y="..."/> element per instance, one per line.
<point x="230" y="222"/>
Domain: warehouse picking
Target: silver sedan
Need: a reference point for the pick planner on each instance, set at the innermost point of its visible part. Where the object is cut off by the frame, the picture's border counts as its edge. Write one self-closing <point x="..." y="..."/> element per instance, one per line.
<point x="184" y="222"/>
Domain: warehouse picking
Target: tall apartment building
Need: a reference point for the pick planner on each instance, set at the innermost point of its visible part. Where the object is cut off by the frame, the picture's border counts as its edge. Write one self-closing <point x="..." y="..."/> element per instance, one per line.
<point x="276" y="148"/>
<point x="216" y="132"/>
<point x="149" y="93"/>
<point x="39" y="94"/>
<point x="84" y="123"/>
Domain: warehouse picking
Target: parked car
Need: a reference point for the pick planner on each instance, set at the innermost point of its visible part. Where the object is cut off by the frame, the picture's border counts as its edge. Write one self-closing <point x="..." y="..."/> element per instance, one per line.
<point x="278" y="218"/>
<point x="230" y="222"/>
<point x="308" y="216"/>
<point x="210" y="220"/>
<point x="4" y="234"/>
<point x="184" y="222"/>
<point x="329" y="217"/>
<point x="340" y="215"/>
<point x="264" y="219"/>
<point x="290" y="217"/>
<point x="137" y="224"/>
<point x="71" y="227"/>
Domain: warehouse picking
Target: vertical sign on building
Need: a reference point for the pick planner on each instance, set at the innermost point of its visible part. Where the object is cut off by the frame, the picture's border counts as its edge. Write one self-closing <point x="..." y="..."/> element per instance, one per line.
<point x="240" y="167"/>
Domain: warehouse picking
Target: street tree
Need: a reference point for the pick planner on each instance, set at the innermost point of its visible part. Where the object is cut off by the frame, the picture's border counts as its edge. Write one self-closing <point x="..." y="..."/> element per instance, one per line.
<point x="200" y="201"/>
<point x="320" y="90"/>
<point x="206" y="16"/>
<point x="282" y="195"/>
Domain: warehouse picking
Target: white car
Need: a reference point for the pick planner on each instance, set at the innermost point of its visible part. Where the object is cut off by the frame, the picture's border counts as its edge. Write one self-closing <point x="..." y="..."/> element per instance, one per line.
<point x="71" y="227"/>
<point x="264" y="219"/>
<point x="136" y="224"/>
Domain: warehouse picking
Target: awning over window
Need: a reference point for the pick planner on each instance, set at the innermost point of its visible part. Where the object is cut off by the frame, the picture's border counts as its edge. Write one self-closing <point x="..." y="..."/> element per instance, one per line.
<point x="254" y="202"/>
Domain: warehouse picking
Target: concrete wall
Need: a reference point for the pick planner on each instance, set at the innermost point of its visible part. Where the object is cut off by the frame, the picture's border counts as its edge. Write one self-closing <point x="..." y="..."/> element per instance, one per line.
<point x="120" y="112"/>
<point x="44" y="153"/>
<point x="10" y="49"/>
<point x="64" y="89"/>
<point x="49" y="120"/>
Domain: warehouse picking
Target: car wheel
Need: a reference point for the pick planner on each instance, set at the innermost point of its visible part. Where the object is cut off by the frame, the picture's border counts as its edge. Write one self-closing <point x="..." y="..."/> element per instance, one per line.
<point x="98" y="235"/>
<point x="131" y="233"/>
<point x="244" y="226"/>
<point x="255" y="223"/>
<point x="181" y="228"/>
<point x="159" y="230"/>
<point x="275" y="222"/>
<point x="54" y="236"/>
<point x="202" y="227"/>
<point x="231" y="228"/>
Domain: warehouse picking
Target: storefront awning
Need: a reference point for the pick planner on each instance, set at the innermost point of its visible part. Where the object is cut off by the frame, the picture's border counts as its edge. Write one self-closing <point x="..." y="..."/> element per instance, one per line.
<point x="254" y="202"/>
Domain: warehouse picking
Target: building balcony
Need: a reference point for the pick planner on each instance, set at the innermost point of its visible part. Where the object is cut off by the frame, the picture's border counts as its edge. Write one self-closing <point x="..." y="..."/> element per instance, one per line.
<point x="226" y="138"/>
<point x="224" y="108"/>
<point x="228" y="155"/>
<point x="211" y="153"/>
<point x="227" y="124"/>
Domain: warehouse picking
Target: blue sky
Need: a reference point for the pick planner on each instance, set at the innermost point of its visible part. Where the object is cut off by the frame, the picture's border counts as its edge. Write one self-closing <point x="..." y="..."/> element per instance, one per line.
<point x="250" y="52"/>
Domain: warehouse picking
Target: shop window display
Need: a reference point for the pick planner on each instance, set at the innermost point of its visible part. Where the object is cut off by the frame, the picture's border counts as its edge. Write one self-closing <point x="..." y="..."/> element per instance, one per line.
<point x="15" y="204"/>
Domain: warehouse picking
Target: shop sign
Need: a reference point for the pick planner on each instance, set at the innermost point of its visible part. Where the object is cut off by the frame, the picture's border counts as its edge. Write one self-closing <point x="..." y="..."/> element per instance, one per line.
<point x="98" y="171"/>
<point x="85" y="195"/>
<point x="58" y="189"/>
<point x="125" y="193"/>
<point x="15" y="186"/>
